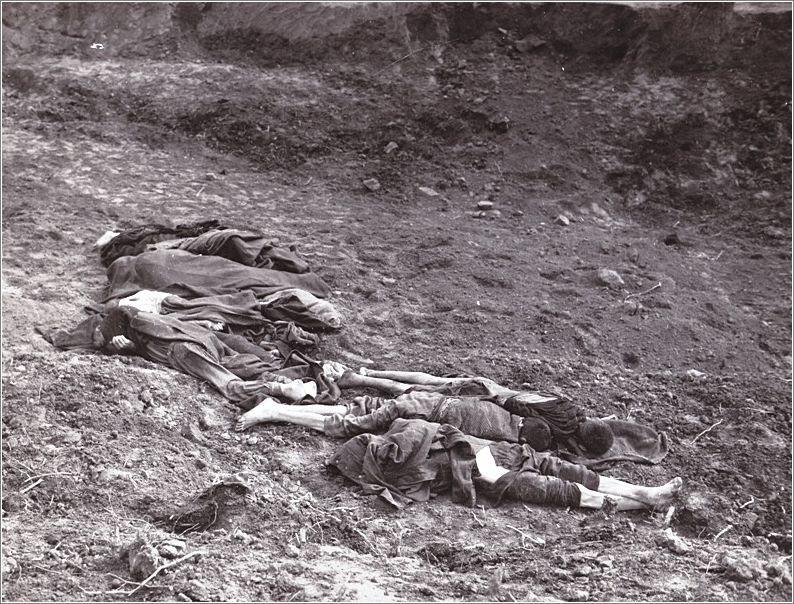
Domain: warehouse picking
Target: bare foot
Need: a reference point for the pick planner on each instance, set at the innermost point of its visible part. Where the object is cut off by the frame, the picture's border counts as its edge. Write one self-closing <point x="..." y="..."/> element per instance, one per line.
<point x="263" y="412"/>
<point x="363" y="371"/>
<point x="664" y="495"/>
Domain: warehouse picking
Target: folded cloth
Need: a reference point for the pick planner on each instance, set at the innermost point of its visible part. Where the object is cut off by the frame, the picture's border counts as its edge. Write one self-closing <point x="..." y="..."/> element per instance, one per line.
<point x="633" y="442"/>
<point x="134" y="241"/>
<point x="245" y="247"/>
<point x="301" y="307"/>
<point x="191" y="276"/>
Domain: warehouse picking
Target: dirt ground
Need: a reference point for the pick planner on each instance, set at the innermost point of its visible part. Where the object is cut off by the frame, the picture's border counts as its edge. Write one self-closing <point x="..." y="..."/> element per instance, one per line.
<point x="670" y="166"/>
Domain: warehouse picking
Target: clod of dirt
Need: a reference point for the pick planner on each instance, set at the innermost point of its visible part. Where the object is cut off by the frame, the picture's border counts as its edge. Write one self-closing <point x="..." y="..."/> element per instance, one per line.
<point x="143" y="558"/>
<point x="610" y="278"/>
<point x="673" y="542"/>
<point x="372" y="184"/>
<point x="700" y="511"/>
<point x="742" y="569"/>
<point x="211" y="506"/>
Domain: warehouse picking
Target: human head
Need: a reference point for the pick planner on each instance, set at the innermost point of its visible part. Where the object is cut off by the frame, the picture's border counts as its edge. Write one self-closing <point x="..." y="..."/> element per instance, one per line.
<point x="536" y="433"/>
<point x="596" y="436"/>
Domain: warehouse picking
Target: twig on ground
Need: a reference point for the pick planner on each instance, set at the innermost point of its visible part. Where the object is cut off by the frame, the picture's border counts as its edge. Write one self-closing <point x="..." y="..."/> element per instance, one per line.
<point x="367" y="541"/>
<point x="201" y="190"/>
<point x="48" y="474"/>
<point x="706" y="431"/>
<point x="642" y="293"/>
<point x="31" y="486"/>
<point x="536" y="540"/>
<point x="160" y="569"/>
<point x="722" y="532"/>
<point x="477" y="520"/>
<point x="717" y="257"/>
<point x="746" y="503"/>
<point x="409" y="55"/>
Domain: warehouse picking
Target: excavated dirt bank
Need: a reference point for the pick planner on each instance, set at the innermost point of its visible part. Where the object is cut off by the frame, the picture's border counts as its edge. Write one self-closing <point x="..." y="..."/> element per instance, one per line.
<point x="663" y="135"/>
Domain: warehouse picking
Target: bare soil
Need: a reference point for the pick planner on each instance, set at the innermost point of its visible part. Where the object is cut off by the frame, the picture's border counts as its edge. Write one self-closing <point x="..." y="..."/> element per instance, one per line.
<point x="672" y="168"/>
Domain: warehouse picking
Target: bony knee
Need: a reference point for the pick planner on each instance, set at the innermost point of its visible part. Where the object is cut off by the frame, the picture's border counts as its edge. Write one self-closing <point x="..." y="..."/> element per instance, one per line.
<point x="595" y="435"/>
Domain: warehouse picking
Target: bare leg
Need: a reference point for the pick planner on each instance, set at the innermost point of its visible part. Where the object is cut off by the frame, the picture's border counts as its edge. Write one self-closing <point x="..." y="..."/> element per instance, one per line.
<point x="650" y="496"/>
<point x="595" y="500"/>
<point x="295" y="390"/>
<point x="408" y="377"/>
<point x="271" y="411"/>
<point x="355" y="380"/>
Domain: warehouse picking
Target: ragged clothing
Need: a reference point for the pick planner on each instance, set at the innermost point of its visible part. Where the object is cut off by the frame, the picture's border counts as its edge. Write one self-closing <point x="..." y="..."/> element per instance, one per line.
<point x="193" y="276"/>
<point x="416" y="460"/>
<point x="132" y="242"/>
<point x="245" y="247"/>
<point x="471" y="415"/>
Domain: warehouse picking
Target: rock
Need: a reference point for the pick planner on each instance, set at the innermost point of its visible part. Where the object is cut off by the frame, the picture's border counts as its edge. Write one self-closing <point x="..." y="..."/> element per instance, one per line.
<point x="171" y="548"/>
<point x="694" y="374"/>
<point x="563" y="220"/>
<point x="392" y="146"/>
<point x="744" y="568"/>
<point x="143" y="559"/>
<point x="609" y="278"/>
<point x="428" y="191"/>
<point x="499" y="124"/>
<point x="600" y="212"/>
<point x="697" y="510"/>
<point x="675" y="239"/>
<point x="146" y="397"/>
<point x="72" y="437"/>
<point x="780" y="568"/>
<point x="484" y="205"/>
<point x="388" y="281"/>
<point x="210" y="176"/>
<point x="673" y="542"/>
<point x="192" y="432"/>
<point x="529" y="44"/>
<point x="775" y="232"/>
<point x="492" y="214"/>
<point x="13" y="502"/>
<point x="372" y="184"/>
<point x="578" y="595"/>
<point x="9" y="566"/>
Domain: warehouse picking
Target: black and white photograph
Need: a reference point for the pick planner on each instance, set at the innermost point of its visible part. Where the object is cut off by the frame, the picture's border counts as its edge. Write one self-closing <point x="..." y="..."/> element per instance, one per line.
<point x="396" y="302"/>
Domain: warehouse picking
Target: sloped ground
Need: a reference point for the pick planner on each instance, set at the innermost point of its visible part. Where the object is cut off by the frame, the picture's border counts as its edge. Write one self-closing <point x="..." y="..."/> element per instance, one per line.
<point x="673" y="176"/>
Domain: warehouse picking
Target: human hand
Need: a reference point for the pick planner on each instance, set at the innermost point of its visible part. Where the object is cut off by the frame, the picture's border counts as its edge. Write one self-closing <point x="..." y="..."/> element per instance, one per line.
<point x="122" y="343"/>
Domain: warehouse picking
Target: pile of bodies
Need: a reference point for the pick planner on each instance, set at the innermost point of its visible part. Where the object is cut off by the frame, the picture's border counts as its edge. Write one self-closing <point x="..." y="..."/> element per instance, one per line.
<point x="231" y="308"/>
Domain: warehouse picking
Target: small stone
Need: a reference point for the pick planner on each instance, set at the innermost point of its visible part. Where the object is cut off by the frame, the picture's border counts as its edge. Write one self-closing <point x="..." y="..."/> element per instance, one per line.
<point x="529" y="43"/>
<point x="292" y="551"/>
<point x="115" y="583"/>
<point x="428" y="191"/>
<point x="742" y="569"/>
<point x="210" y="176"/>
<point x="146" y="396"/>
<point x="775" y="232"/>
<point x="673" y="542"/>
<point x="578" y="595"/>
<point x="392" y="146"/>
<point x="252" y="440"/>
<point x="143" y="559"/>
<point x="491" y="214"/>
<point x="192" y="432"/>
<point x="72" y="437"/>
<point x="694" y="374"/>
<point x="563" y="220"/>
<point x="609" y="278"/>
<point x="372" y="184"/>
<point x="388" y="281"/>
<point x="484" y="205"/>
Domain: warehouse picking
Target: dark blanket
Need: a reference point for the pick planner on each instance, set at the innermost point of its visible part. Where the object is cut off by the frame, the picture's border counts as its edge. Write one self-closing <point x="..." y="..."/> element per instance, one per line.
<point x="412" y="461"/>
<point x="633" y="442"/>
<point x="239" y="310"/>
<point x="191" y="276"/>
<point x="134" y="241"/>
<point x="246" y="247"/>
